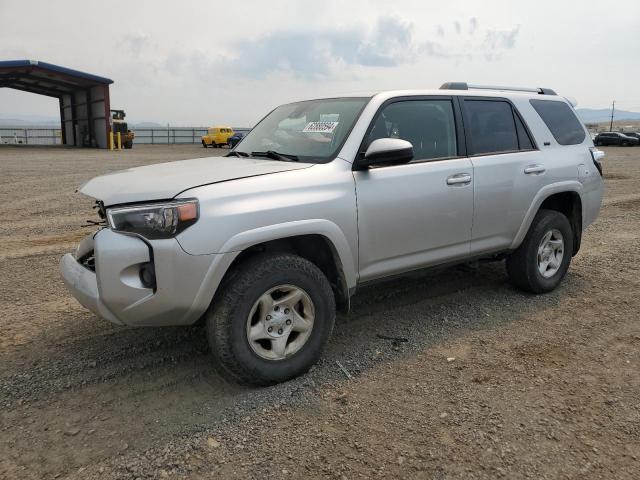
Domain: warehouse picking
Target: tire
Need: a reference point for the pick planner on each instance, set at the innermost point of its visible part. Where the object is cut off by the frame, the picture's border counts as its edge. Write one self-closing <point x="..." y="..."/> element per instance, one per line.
<point x="598" y="144"/>
<point x="128" y="145"/>
<point x="524" y="264"/>
<point x="236" y="309"/>
<point x="625" y="144"/>
<point x="204" y="144"/>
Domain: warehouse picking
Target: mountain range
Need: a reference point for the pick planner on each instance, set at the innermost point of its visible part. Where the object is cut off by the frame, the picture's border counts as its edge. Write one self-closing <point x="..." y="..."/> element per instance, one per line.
<point x="592" y="115"/>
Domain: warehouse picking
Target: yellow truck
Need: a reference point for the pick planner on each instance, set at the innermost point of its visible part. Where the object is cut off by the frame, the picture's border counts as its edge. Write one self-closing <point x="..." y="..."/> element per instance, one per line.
<point x="217" y="137"/>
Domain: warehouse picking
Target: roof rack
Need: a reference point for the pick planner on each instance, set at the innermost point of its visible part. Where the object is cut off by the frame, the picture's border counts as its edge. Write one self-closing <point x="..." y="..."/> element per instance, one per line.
<point x="467" y="86"/>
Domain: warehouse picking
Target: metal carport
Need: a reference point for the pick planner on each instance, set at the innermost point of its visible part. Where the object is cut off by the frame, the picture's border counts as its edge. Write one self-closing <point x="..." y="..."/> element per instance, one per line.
<point x="83" y="97"/>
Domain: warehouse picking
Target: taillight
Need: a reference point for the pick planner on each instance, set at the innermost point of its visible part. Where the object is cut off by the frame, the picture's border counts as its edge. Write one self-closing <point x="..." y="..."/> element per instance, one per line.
<point x="597" y="156"/>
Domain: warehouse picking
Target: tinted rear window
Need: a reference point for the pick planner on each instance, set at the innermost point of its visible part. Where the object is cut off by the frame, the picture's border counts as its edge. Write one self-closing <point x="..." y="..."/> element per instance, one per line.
<point x="491" y="126"/>
<point x="561" y="120"/>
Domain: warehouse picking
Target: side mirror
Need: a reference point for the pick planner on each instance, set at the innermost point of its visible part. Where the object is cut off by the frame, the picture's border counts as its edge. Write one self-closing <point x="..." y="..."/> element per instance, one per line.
<point x="387" y="151"/>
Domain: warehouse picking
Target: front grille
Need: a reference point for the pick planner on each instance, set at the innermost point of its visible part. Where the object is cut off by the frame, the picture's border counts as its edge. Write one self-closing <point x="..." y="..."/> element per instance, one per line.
<point x="88" y="261"/>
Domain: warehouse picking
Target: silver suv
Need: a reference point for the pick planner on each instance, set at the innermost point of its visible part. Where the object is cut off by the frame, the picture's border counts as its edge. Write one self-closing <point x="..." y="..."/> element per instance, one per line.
<point x="325" y="195"/>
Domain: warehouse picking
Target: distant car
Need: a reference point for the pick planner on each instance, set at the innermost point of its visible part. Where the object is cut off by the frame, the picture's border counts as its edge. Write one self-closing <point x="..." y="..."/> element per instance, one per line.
<point x="633" y="134"/>
<point x="217" y="137"/>
<point x="615" y="138"/>
<point x="235" y="139"/>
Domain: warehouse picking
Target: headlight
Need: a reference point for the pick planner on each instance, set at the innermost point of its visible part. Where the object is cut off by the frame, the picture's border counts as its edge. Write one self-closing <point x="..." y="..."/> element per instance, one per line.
<point x="153" y="221"/>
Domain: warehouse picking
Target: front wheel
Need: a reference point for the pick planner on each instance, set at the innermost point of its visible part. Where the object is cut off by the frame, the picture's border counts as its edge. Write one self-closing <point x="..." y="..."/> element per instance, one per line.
<point x="540" y="263"/>
<point x="271" y="320"/>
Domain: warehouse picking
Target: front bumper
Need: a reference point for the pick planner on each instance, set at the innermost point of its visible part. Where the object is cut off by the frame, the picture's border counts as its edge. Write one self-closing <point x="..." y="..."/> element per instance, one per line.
<point x="184" y="283"/>
<point x="82" y="283"/>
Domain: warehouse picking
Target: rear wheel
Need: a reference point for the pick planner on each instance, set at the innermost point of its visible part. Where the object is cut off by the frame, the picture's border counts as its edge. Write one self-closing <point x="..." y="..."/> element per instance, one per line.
<point x="271" y="319"/>
<point x="204" y="144"/>
<point x="540" y="263"/>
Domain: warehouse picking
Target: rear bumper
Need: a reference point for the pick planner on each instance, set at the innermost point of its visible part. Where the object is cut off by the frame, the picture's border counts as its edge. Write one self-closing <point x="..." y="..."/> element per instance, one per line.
<point x="184" y="283"/>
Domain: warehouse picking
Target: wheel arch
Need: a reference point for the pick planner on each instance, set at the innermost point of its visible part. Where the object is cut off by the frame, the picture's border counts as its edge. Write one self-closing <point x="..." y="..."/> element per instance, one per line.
<point x="565" y="198"/>
<point x="318" y="240"/>
<point x="316" y="248"/>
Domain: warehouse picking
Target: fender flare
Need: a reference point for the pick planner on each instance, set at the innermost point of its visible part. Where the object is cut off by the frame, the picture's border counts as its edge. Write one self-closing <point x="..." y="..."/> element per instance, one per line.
<point x="325" y="228"/>
<point x="544" y="193"/>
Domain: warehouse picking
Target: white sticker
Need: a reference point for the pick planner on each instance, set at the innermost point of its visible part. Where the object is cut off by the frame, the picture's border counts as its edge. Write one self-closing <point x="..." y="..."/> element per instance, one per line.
<point x="320" y="127"/>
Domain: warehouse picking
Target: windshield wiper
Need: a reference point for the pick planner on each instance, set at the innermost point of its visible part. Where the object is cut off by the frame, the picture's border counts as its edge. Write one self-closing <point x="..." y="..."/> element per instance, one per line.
<point x="276" y="156"/>
<point x="237" y="153"/>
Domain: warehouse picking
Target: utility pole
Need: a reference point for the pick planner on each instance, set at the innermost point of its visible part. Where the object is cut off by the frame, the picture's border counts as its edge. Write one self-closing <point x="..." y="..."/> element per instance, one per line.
<point x="613" y="109"/>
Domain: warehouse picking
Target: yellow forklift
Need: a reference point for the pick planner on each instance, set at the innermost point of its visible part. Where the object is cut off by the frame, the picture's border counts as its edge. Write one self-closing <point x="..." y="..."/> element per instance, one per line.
<point x="120" y="126"/>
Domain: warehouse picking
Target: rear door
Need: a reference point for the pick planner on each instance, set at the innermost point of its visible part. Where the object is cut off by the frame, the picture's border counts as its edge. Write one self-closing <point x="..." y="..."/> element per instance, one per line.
<point x="508" y="170"/>
<point x="419" y="213"/>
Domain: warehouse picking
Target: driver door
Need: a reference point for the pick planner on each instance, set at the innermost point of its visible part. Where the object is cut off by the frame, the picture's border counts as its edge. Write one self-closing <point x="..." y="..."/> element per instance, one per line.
<point x="419" y="213"/>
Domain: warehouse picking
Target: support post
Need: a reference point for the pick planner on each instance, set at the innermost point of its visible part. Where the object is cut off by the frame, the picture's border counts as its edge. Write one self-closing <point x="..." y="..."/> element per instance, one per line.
<point x="613" y="109"/>
<point x="63" y="137"/>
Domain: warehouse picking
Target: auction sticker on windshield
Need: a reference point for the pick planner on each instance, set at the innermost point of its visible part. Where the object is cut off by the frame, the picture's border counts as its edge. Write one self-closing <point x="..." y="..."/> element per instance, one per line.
<point x="320" y="127"/>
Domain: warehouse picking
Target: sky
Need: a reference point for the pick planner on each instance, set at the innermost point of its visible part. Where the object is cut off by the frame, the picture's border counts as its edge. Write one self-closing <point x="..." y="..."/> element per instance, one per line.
<point x="199" y="62"/>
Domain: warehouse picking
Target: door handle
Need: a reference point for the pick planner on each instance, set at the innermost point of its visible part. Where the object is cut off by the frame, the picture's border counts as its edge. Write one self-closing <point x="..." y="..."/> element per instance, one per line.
<point x="534" y="170"/>
<point x="459" y="179"/>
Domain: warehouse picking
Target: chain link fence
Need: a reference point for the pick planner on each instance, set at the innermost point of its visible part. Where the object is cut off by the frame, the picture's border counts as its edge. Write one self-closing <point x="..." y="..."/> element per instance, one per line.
<point x="30" y="136"/>
<point x="172" y="135"/>
<point x="143" y="135"/>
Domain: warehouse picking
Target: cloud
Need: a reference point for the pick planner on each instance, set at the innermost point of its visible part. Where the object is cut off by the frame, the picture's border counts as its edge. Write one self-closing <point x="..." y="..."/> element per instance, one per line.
<point x="327" y="53"/>
<point x="316" y="54"/>
<point x="390" y="44"/>
<point x="496" y="41"/>
<point x="473" y="25"/>
<point x="135" y="43"/>
<point x="470" y="41"/>
<point x="502" y="39"/>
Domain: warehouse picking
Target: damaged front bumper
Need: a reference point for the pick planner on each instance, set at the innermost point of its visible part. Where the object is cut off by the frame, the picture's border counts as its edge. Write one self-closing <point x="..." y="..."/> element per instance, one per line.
<point x="106" y="276"/>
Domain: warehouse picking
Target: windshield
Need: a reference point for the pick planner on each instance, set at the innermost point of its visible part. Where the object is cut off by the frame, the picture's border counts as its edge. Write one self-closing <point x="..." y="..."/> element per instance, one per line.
<point x="311" y="131"/>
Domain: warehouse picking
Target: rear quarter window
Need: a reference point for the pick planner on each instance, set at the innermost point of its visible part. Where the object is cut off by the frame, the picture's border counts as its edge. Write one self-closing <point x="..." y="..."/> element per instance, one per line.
<point x="561" y="121"/>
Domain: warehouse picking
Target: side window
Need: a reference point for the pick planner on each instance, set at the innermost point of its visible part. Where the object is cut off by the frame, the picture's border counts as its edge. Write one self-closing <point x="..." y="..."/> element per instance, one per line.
<point x="524" y="141"/>
<point x="491" y="126"/>
<point x="428" y="124"/>
<point x="562" y="122"/>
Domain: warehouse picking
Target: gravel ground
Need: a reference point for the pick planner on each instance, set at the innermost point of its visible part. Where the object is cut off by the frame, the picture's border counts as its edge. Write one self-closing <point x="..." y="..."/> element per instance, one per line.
<point x="489" y="383"/>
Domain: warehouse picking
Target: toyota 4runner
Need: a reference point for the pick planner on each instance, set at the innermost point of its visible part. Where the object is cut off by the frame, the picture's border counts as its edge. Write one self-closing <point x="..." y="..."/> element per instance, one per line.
<point x="325" y="195"/>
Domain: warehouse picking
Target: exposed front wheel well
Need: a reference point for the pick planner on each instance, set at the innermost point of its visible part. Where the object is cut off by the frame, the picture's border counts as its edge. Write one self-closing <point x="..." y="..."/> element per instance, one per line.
<point x="318" y="249"/>
<point x="570" y="205"/>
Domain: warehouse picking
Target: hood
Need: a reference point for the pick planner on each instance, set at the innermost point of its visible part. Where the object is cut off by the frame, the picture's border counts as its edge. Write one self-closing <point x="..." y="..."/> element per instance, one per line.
<point x="166" y="180"/>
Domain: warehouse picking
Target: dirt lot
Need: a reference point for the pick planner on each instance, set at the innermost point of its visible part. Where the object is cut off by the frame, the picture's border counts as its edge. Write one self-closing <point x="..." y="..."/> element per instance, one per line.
<point x="490" y="382"/>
